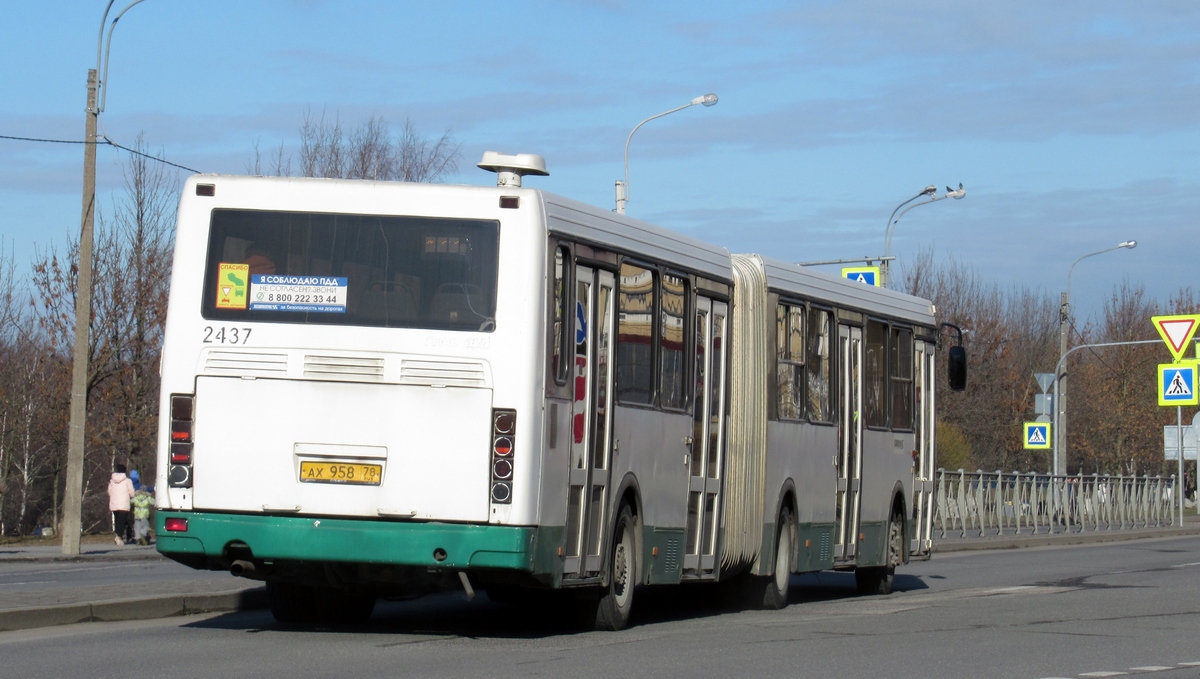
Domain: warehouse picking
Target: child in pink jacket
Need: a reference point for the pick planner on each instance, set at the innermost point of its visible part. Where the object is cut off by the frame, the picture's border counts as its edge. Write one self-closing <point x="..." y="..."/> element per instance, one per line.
<point x="120" y="492"/>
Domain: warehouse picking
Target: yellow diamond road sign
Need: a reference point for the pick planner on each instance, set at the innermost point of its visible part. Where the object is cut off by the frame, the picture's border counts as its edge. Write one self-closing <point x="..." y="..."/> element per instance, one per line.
<point x="1177" y="332"/>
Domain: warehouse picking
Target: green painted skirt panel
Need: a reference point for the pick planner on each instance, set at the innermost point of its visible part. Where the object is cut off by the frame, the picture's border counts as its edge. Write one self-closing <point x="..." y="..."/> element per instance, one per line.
<point x="358" y="541"/>
<point x="815" y="544"/>
<point x="665" y="568"/>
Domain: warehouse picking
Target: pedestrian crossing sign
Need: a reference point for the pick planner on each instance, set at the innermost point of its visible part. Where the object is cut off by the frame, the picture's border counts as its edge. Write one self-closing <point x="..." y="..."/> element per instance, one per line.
<point x="1037" y="435"/>
<point x="1177" y="384"/>
<point x="862" y="274"/>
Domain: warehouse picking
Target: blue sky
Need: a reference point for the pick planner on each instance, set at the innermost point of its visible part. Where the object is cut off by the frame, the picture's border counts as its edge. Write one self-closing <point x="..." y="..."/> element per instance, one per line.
<point x="1072" y="125"/>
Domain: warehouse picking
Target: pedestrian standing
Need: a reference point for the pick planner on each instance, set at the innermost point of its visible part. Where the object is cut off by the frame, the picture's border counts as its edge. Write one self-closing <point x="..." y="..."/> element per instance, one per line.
<point x="120" y="494"/>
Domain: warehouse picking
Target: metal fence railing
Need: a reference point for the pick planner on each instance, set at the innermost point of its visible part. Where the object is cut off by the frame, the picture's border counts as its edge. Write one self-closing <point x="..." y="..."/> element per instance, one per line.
<point x="979" y="504"/>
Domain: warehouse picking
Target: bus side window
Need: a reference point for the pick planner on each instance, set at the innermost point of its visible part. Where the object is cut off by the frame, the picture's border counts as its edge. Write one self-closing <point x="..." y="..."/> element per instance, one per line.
<point x="820" y="382"/>
<point x="635" y="336"/>
<point x="672" y="377"/>
<point x="561" y="322"/>
<point x="875" y="374"/>
<point x="789" y="366"/>
<point x="902" y="378"/>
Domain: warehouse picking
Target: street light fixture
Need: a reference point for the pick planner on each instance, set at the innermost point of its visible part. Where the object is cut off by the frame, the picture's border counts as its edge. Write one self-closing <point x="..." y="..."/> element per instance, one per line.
<point x="1064" y="317"/>
<point x="709" y="99"/>
<point x="930" y="191"/>
<point x="73" y="495"/>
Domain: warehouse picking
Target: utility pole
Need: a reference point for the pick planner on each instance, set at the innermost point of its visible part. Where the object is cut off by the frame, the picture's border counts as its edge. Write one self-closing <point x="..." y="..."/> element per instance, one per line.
<point x="73" y="497"/>
<point x="1060" y="400"/>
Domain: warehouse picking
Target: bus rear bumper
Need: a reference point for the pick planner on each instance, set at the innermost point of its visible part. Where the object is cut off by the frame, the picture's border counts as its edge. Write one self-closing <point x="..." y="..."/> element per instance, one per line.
<point x="211" y="538"/>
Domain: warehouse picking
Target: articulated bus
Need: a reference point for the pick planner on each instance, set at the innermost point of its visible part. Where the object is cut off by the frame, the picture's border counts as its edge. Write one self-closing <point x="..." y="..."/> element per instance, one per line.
<point x="382" y="389"/>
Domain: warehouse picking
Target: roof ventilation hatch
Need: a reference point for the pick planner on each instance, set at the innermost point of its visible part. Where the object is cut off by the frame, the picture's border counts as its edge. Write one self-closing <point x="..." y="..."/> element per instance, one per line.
<point x="510" y="167"/>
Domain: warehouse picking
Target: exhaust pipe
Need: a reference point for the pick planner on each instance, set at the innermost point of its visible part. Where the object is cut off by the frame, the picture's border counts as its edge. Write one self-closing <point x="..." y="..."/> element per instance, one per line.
<point x="245" y="569"/>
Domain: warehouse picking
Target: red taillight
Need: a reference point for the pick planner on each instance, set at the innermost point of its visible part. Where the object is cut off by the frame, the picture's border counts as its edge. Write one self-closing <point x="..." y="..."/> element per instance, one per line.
<point x="181" y="453"/>
<point x="176" y="525"/>
<point x="503" y="446"/>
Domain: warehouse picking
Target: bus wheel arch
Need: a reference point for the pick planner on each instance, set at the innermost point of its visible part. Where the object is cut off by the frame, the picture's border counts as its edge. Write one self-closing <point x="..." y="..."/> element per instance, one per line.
<point x="622" y="569"/>
<point x="899" y="512"/>
<point x="629" y="494"/>
<point x="775" y="586"/>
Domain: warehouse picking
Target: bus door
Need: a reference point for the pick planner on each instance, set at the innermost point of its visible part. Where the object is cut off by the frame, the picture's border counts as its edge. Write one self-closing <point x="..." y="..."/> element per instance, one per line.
<point x="849" y="458"/>
<point x="708" y="437"/>
<point x="923" y="456"/>
<point x="591" y="424"/>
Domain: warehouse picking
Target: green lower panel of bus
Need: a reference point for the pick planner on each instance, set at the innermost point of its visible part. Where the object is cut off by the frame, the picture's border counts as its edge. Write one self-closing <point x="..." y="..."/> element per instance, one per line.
<point x="436" y="545"/>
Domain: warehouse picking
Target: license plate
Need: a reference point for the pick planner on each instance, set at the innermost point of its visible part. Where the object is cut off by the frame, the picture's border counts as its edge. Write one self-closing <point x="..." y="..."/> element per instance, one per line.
<point x="341" y="472"/>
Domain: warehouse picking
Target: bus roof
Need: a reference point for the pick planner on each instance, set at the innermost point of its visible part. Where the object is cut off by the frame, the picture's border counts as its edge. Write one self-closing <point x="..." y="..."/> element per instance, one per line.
<point x="785" y="277"/>
<point x="632" y="236"/>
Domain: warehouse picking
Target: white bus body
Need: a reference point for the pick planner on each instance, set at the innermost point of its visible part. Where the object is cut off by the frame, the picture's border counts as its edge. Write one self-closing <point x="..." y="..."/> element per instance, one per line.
<point x="378" y="389"/>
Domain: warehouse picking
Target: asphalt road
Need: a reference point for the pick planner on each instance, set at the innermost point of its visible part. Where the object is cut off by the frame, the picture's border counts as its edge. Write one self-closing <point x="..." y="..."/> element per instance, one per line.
<point x="1130" y="607"/>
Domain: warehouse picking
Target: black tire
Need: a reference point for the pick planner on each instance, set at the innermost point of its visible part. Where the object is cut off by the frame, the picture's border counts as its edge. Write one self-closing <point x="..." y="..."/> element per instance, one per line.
<point x="616" y="600"/>
<point x="338" y="607"/>
<point x="292" y="604"/>
<point x="878" y="579"/>
<point x="775" y="594"/>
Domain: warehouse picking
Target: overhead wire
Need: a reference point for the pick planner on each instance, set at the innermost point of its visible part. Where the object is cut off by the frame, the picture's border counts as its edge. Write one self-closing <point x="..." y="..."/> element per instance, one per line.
<point x="106" y="141"/>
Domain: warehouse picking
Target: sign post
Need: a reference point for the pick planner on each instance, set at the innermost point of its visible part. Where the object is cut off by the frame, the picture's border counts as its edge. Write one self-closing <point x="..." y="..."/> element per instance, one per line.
<point x="1177" y="381"/>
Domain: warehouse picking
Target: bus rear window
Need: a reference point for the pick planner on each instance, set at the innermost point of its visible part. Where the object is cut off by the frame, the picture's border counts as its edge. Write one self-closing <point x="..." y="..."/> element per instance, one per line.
<point x="364" y="270"/>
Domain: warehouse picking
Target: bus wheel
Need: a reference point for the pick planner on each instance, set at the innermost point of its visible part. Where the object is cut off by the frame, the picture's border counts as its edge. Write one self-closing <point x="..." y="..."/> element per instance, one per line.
<point x="878" y="579"/>
<point x="775" y="595"/>
<point x="290" y="603"/>
<point x="338" y="607"/>
<point x="616" y="601"/>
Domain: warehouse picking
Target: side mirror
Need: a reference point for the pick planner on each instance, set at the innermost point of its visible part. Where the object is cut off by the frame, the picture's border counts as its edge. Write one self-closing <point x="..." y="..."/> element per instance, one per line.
<point x="956" y="368"/>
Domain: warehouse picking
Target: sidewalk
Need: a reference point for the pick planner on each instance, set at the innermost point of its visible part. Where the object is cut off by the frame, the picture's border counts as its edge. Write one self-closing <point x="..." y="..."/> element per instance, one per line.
<point x="212" y="591"/>
<point x="221" y="592"/>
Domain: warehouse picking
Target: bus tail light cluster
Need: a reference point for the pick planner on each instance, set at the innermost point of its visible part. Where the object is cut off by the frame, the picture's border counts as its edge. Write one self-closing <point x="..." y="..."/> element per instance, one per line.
<point x="504" y="429"/>
<point x="182" y="408"/>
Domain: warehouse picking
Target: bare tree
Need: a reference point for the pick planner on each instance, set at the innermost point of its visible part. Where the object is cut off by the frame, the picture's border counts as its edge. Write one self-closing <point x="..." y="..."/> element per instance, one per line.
<point x="368" y="151"/>
<point x="132" y="262"/>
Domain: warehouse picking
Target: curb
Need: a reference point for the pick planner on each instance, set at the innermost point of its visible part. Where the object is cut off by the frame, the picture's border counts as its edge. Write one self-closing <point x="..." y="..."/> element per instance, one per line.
<point x="9" y="557"/>
<point x="142" y="608"/>
<point x="1057" y="539"/>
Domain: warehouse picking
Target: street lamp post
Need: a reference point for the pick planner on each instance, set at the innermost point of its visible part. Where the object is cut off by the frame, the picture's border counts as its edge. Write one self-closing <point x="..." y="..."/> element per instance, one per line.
<point x="709" y="99"/>
<point x="1060" y="400"/>
<point x="930" y="191"/>
<point x="72" y="524"/>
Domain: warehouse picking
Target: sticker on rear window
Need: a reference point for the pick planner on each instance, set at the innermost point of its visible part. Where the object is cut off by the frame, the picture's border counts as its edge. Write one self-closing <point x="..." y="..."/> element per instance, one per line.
<point x="231" y="285"/>
<point x="274" y="292"/>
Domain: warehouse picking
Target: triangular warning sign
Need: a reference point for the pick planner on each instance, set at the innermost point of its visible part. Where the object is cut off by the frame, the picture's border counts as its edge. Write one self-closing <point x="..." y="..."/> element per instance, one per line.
<point x="1037" y="435"/>
<point x="861" y="279"/>
<point x="1179" y="386"/>
<point x="1177" y="332"/>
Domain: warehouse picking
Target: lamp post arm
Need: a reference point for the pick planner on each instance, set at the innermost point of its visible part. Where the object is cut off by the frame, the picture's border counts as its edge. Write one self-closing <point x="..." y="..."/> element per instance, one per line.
<point x="887" y="233"/>
<point x="887" y="241"/>
<point x="1072" y="269"/>
<point x="107" y="48"/>
<point x="630" y="138"/>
